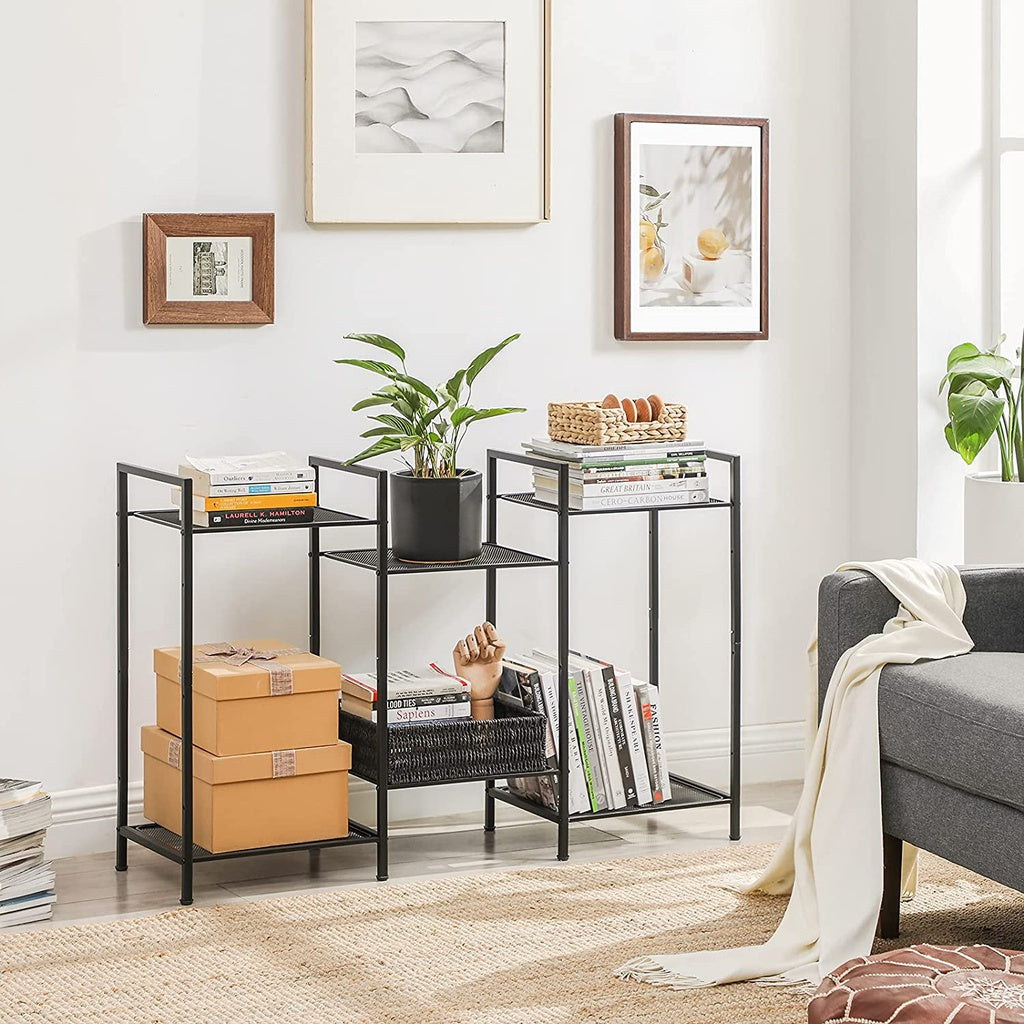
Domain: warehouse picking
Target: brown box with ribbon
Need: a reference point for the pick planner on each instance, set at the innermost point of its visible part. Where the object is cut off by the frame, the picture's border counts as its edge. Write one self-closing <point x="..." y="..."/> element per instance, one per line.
<point x="249" y="698"/>
<point x="250" y="800"/>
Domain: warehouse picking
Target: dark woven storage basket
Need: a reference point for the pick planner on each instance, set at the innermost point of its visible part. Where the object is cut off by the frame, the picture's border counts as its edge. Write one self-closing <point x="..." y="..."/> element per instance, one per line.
<point x="511" y="743"/>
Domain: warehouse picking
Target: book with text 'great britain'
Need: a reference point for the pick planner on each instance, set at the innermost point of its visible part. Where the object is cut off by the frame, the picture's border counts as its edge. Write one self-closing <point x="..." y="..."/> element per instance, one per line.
<point x="264" y="468"/>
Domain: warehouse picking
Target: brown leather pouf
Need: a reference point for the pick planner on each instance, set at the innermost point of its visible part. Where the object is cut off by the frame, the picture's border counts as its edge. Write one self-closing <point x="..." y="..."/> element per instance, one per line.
<point x="925" y="985"/>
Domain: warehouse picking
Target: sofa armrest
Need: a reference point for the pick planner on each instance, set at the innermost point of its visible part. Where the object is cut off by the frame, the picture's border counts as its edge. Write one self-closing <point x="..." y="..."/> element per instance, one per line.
<point x="853" y="605"/>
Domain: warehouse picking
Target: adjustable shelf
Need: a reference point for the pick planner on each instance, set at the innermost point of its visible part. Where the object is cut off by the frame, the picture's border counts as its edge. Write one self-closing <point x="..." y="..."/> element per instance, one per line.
<point x="380" y="560"/>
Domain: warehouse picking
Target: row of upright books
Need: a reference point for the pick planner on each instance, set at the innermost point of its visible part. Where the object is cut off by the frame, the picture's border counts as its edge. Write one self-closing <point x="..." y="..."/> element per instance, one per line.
<point x="617" y="755"/>
<point x="639" y="475"/>
<point x="27" y="878"/>
<point x="249" y="490"/>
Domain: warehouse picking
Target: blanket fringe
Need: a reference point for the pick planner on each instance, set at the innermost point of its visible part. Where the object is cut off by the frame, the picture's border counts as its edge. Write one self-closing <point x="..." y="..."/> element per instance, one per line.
<point x="646" y="969"/>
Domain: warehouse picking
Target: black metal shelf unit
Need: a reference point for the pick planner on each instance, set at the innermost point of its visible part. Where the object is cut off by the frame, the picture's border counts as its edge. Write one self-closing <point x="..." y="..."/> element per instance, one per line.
<point x="685" y="792"/>
<point x="494" y="557"/>
<point x="181" y="849"/>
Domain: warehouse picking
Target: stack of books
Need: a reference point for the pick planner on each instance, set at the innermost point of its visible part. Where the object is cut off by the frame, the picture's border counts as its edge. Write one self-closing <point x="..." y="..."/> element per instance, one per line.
<point x="27" y="879"/>
<point x="617" y="755"/>
<point x="418" y="695"/>
<point x="249" y="490"/>
<point x="640" y="475"/>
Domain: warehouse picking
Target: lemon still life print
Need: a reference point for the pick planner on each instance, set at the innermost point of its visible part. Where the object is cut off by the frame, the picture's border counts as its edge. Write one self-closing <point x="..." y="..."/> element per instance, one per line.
<point x="692" y="218"/>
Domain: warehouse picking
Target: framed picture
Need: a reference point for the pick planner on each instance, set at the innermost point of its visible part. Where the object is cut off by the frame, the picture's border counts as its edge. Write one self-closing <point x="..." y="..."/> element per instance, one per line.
<point x="208" y="268"/>
<point x="427" y="111"/>
<point x="691" y="228"/>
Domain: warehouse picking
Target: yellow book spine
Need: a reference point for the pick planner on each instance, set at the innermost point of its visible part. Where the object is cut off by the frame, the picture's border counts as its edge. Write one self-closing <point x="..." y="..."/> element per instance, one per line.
<point x="254" y="501"/>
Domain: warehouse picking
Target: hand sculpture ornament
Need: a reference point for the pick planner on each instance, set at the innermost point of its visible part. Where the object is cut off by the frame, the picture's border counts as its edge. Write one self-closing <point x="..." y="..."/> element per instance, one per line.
<point x="478" y="660"/>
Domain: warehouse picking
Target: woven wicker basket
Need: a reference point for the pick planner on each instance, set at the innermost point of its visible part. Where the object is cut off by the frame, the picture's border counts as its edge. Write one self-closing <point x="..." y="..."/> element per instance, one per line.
<point x="589" y="423"/>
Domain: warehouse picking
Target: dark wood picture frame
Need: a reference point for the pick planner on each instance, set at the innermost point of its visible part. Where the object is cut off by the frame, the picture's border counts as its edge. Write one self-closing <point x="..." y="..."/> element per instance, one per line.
<point x="625" y="265"/>
<point x="158" y="227"/>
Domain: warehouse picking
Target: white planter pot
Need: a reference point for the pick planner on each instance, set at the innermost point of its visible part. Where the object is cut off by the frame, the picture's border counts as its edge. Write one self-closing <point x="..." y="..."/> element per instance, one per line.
<point x="993" y="520"/>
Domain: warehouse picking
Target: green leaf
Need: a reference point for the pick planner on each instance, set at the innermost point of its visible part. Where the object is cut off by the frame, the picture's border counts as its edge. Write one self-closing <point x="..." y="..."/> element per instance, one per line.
<point x="974" y="414"/>
<point x="991" y="370"/>
<point x="964" y="351"/>
<point x="454" y="385"/>
<point x="424" y="389"/>
<point x="381" y="447"/>
<point x="397" y="424"/>
<point x="462" y="414"/>
<point x="380" y="432"/>
<point x="484" y="358"/>
<point x="384" y="369"/>
<point x="379" y="341"/>
<point x="648" y="190"/>
<point x="487" y="414"/>
<point x="368" y="403"/>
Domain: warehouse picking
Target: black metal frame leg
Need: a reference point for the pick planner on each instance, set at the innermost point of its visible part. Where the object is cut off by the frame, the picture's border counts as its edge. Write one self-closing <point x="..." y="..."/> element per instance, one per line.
<point x="735" y="586"/>
<point x="185" y="661"/>
<point x="383" y="747"/>
<point x="564" y="718"/>
<point x="121" y="843"/>
<point x="491" y="603"/>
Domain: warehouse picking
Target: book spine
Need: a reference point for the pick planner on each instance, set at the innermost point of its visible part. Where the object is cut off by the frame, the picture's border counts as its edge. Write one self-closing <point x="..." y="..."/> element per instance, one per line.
<point x="657" y="728"/>
<point x="252" y="502"/>
<point x="241" y="490"/>
<point x="545" y="786"/>
<point x="253" y="517"/>
<point x="695" y="483"/>
<point x="627" y="698"/>
<point x="365" y="689"/>
<point x="643" y="705"/>
<point x="606" y="739"/>
<point x="549" y="702"/>
<point x="598" y="795"/>
<point x="581" y="738"/>
<point x="429" y="701"/>
<point x="436" y="713"/>
<point x="621" y="739"/>
<point x="265" y="476"/>
<point x="694" y="497"/>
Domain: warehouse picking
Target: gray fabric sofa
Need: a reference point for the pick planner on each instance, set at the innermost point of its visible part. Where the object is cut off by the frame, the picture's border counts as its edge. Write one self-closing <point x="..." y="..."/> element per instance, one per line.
<point x="951" y="731"/>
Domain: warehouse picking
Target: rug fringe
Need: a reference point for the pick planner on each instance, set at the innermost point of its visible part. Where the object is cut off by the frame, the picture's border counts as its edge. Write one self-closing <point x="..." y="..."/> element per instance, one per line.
<point x="647" y="970"/>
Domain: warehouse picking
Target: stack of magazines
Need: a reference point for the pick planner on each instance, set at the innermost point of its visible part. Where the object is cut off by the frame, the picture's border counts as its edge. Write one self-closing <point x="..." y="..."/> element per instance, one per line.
<point x="27" y="879"/>
<point x="617" y="755"/>
<point x="609" y="476"/>
<point x="414" y="695"/>
<point x="249" y="490"/>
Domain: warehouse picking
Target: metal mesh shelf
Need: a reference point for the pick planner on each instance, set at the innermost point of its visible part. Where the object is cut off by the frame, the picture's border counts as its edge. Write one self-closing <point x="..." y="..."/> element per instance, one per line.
<point x="528" y="498"/>
<point x="493" y="556"/>
<point x="321" y="517"/>
<point x="168" y="844"/>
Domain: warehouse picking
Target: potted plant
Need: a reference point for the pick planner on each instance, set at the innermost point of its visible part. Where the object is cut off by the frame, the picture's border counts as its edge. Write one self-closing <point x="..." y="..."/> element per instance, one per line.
<point x="436" y="505"/>
<point x="983" y="398"/>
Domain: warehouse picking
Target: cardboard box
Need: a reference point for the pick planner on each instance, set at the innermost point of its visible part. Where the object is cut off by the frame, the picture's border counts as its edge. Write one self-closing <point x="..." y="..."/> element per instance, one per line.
<point x="239" y="709"/>
<point x="250" y="800"/>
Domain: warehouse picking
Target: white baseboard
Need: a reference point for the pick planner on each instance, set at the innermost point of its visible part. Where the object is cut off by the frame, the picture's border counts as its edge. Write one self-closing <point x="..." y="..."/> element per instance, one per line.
<point x="83" y="819"/>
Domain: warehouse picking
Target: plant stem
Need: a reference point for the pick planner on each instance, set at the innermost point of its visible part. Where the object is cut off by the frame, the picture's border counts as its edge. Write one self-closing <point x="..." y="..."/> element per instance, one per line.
<point x="1004" y="452"/>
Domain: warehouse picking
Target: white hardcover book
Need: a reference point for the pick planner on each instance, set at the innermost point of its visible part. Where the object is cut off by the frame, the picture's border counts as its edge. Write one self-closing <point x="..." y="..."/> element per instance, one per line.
<point x="263" y="468"/>
<point x="624" y="684"/>
<point x="659" y="785"/>
<point x="252" y="490"/>
<point x="577" y="452"/>
<point x="611" y="501"/>
<point x="24" y="818"/>
<point x="657" y="727"/>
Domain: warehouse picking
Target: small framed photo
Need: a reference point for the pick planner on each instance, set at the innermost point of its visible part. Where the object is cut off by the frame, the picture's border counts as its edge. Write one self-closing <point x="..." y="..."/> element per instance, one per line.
<point x="208" y="268"/>
<point x="427" y="111"/>
<point x="691" y="228"/>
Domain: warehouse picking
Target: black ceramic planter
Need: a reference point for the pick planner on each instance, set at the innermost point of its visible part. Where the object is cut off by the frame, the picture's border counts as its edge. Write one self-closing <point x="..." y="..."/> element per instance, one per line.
<point x="436" y="519"/>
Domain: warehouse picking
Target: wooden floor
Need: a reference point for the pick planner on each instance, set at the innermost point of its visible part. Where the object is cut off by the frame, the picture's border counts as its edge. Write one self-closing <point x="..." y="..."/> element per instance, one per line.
<point x="89" y="889"/>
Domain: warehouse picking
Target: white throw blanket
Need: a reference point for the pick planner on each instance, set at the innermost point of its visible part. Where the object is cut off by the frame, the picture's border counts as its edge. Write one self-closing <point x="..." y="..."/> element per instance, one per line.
<point x="831" y="858"/>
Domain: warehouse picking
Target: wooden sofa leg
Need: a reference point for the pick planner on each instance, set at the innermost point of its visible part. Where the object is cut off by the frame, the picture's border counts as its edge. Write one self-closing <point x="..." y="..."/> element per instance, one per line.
<point x="892" y="890"/>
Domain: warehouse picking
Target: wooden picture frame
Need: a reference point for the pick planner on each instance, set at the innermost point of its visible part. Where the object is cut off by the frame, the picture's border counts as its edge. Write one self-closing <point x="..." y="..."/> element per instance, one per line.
<point x="702" y="274"/>
<point x="428" y="111"/>
<point x="208" y="268"/>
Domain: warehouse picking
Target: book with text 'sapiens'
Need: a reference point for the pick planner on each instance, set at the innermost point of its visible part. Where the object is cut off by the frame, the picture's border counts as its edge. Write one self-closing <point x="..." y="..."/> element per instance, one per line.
<point x="264" y="468"/>
<point x="254" y="517"/>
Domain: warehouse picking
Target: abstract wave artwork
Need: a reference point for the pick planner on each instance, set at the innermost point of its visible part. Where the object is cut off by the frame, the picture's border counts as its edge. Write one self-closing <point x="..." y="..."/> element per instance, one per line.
<point x="430" y="87"/>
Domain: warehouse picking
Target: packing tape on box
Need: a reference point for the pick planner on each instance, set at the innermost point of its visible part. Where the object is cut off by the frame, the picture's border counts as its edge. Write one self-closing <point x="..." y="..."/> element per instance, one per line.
<point x="174" y="753"/>
<point x="282" y="679"/>
<point x="284" y="763"/>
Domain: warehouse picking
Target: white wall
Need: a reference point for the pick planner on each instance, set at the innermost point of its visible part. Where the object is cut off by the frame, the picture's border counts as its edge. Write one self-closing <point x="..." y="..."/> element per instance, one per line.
<point x="117" y="107"/>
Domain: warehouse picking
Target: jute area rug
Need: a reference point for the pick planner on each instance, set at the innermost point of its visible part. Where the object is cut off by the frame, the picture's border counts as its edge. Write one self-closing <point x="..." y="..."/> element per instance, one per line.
<point x="518" y="947"/>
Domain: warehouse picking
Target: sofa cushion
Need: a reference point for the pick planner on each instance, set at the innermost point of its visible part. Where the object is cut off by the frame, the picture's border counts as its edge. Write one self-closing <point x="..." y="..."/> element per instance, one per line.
<point x="958" y="720"/>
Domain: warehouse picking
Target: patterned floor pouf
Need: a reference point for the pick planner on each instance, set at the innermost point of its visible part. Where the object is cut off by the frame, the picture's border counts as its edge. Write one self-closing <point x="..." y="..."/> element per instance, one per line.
<point x="925" y="985"/>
